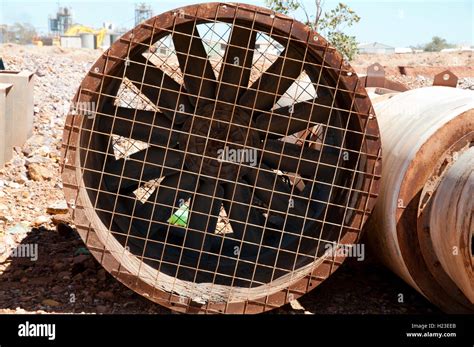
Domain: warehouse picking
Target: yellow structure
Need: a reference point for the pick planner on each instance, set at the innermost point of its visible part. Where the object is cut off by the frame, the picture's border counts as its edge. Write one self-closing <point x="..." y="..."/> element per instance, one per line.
<point x="76" y="30"/>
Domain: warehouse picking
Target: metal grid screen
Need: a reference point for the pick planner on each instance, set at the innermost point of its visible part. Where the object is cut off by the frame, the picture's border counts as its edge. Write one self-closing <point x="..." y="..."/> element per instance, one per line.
<point x="217" y="156"/>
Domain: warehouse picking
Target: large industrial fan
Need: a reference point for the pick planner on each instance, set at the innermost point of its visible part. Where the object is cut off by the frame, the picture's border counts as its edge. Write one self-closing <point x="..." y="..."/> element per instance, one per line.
<point x="219" y="157"/>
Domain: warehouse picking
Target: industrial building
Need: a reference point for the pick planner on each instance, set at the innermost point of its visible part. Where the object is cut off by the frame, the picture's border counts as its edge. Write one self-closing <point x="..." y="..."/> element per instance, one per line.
<point x="375" y="48"/>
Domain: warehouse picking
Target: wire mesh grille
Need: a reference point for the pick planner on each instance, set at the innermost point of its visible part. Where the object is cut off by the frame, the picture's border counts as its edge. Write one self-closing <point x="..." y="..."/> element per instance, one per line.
<point x="228" y="148"/>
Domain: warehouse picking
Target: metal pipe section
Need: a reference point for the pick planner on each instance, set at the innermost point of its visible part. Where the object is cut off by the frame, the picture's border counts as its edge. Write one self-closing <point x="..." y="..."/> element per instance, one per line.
<point x="452" y="223"/>
<point x="422" y="225"/>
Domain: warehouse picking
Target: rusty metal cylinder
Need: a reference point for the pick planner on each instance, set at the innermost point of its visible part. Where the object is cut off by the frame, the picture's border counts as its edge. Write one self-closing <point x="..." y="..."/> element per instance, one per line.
<point x="422" y="225"/>
<point x="164" y="208"/>
<point x="452" y="223"/>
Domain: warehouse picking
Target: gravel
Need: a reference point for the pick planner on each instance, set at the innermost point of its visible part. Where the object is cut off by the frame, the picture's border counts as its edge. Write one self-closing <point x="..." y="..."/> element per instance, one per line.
<point x="65" y="277"/>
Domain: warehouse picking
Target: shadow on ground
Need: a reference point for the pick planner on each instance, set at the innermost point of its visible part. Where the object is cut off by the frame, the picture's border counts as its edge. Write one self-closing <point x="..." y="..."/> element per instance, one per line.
<point x="65" y="279"/>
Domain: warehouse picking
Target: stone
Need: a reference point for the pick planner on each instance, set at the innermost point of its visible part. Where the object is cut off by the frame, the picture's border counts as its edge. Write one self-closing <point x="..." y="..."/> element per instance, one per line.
<point x="80" y="263"/>
<point x="4" y="217"/>
<point x="64" y="230"/>
<point x="106" y="295"/>
<point x="36" y="159"/>
<point x="39" y="173"/>
<point x="18" y="162"/>
<point x="61" y="219"/>
<point x="26" y="151"/>
<point x="17" y="229"/>
<point x="14" y="185"/>
<point x="58" y="207"/>
<point x="43" y="151"/>
<point x="58" y="266"/>
<point x="21" y="179"/>
<point x="101" y="275"/>
<point x="80" y="259"/>
<point x="41" y="220"/>
<point x="51" y="303"/>
<point x="101" y="309"/>
<point x="64" y="275"/>
<point x="57" y="289"/>
<point x="78" y="277"/>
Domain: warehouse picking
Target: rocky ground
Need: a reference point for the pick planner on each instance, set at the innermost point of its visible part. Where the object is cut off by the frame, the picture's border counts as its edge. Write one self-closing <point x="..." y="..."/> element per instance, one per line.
<point x="65" y="277"/>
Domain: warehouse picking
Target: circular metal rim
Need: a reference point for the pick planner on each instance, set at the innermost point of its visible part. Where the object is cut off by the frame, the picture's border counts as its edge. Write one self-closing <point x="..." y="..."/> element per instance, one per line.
<point x="73" y="184"/>
<point x="416" y="247"/>
<point x="440" y="216"/>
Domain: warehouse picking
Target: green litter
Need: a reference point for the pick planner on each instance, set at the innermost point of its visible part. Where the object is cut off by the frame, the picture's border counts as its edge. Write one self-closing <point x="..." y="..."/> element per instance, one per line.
<point x="180" y="217"/>
<point x="81" y="250"/>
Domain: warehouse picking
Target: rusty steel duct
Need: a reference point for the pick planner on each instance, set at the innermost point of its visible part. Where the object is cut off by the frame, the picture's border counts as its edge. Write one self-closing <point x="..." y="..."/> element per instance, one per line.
<point x="166" y="214"/>
<point x="422" y="225"/>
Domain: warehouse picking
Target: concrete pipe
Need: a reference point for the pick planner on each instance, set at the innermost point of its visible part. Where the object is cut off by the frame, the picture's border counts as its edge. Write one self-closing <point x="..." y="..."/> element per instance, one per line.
<point x="422" y="226"/>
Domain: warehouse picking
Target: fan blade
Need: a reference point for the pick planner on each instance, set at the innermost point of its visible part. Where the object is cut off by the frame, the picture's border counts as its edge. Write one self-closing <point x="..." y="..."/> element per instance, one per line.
<point x="205" y="208"/>
<point x="159" y="206"/>
<point x="151" y="217"/>
<point x="274" y="82"/>
<point x="143" y="227"/>
<point x="290" y="157"/>
<point x="126" y="174"/>
<point x="292" y="119"/>
<point x="275" y="193"/>
<point x="319" y="193"/>
<point x="137" y="125"/>
<point x="199" y="77"/>
<point x="161" y="89"/>
<point x="241" y="213"/>
<point x="237" y="65"/>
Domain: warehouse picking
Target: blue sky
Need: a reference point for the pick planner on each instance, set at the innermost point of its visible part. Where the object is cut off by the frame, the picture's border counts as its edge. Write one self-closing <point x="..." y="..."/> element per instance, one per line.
<point x="397" y="23"/>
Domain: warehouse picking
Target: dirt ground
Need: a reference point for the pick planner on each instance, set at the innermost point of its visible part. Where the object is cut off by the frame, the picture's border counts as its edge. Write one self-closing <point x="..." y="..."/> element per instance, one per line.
<point x="65" y="278"/>
<point x="62" y="281"/>
<point x="416" y="70"/>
